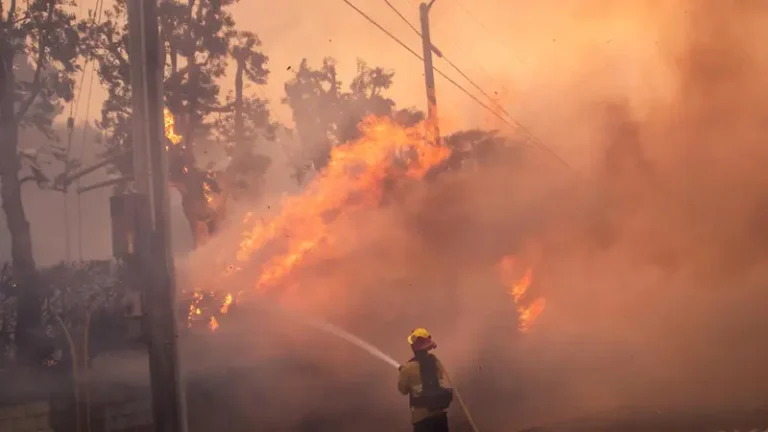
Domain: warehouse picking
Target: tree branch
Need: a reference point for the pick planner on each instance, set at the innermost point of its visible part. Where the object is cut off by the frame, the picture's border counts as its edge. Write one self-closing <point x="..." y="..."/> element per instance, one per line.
<point x="11" y="12"/>
<point x="22" y="18"/>
<point x="27" y="179"/>
<point x="217" y="109"/>
<point x="177" y="74"/>
<point x="114" y="49"/>
<point x="37" y="85"/>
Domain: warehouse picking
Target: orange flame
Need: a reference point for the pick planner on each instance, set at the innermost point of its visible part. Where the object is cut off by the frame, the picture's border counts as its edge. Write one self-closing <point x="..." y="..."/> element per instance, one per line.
<point x="213" y="324"/>
<point x="527" y="312"/>
<point x="225" y="305"/>
<point x="352" y="180"/>
<point x="208" y="192"/>
<point x="170" y="129"/>
<point x="519" y="289"/>
<point x="194" y="308"/>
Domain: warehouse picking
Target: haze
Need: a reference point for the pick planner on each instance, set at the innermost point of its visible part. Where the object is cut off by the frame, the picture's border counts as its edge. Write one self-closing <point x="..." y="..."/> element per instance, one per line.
<point x="649" y="248"/>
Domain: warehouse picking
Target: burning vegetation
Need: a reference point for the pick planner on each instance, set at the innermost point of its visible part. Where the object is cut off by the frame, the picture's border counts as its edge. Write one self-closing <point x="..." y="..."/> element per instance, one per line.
<point x="202" y="199"/>
<point x="353" y="180"/>
<point x="527" y="309"/>
<point x="308" y="226"/>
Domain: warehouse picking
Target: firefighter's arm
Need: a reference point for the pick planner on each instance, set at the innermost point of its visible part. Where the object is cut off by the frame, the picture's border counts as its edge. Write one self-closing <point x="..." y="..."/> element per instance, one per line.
<point x="402" y="382"/>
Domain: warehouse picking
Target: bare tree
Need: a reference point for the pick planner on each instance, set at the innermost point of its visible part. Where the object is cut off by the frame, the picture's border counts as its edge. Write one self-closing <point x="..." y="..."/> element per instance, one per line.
<point x="45" y="32"/>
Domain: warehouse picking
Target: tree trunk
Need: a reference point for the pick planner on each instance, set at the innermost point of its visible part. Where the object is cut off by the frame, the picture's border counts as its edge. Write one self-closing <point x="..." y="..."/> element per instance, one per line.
<point x="2" y="80"/>
<point x="194" y="73"/>
<point x="203" y="217"/>
<point x="239" y="126"/>
<point x="200" y="218"/>
<point x="24" y="268"/>
<point x="10" y="186"/>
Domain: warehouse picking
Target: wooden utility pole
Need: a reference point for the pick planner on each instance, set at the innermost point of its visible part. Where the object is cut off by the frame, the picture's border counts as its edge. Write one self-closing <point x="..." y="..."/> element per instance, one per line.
<point x="429" y="73"/>
<point x="153" y="258"/>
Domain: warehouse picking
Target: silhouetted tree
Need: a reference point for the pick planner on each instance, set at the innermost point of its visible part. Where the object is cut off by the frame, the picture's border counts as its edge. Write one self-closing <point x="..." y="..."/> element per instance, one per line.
<point x="325" y="115"/>
<point x="247" y="122"/>
<point x="201" y="41"/>
<point x="480" y="146"/>
<point x="45" y="32"/>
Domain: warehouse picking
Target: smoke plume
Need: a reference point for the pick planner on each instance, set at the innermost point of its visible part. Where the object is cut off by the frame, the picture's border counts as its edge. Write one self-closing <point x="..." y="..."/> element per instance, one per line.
<point x="649" y="249"/>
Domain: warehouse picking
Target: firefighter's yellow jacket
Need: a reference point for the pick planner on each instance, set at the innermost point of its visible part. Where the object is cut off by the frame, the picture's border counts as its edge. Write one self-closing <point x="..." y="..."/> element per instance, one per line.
<point x="409" y="382"/>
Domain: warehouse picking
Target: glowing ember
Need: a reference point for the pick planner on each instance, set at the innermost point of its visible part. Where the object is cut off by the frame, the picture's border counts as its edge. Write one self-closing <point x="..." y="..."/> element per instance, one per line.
<point x="170" y="130"/>
<point x="225" y="305"/>
<point x="201" y="309"/>
<point x="527" y="312"/>
<point x="519" y="289"/>
<point x="194" y="308"/>
<point x="352" y="180"/>
<point x="213" y="324"/>
<point x="208" y="192"/>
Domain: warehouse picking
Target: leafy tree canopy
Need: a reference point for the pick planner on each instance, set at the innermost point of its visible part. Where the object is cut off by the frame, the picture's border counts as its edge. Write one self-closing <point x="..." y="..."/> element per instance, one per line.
<point x="202" y="46"/>
<point x="325" y="114"/>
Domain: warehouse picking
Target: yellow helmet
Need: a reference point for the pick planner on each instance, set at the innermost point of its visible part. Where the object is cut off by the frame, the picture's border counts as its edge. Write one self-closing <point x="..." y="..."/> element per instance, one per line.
<point x="421" y="339"/>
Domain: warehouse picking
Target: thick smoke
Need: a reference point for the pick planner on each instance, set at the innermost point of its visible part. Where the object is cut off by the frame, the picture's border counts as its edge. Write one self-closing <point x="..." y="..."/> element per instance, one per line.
<point x="648" y="251"/>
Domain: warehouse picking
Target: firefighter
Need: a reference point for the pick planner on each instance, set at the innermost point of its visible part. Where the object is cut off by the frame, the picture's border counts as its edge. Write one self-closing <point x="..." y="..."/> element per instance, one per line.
<point x="423" y="379"/>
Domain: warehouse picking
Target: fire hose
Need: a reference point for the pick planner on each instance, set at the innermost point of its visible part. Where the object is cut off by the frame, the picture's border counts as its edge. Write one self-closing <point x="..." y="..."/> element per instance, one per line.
<point x="370" y="349"/>
<point x="461" y="402"/>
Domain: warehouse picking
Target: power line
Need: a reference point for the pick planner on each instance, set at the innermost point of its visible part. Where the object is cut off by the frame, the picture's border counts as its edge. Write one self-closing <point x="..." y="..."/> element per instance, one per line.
<point x="391" y="6"/>
<point x="84" y="143"/>
<point x="73" y="111"/>
<point x="469" y="14"/>
<point x="99" y="9"/>
<point x="74" y="107"/>
<point x="480" y="23"/>
<point x="453" y="65"/>
<point x="393" y="37"/>
<point x="517" y="125"/>
<point x="450" y="63"/>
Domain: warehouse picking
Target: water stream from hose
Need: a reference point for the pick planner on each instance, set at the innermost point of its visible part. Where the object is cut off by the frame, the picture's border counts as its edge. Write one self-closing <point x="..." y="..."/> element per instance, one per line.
<point x="370" y="349"/>
<point x="334" y="331"/>
<point x="354" y="340"/>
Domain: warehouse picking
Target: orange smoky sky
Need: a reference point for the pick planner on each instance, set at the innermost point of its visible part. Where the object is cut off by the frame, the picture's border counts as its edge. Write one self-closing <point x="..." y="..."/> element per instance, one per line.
<point x="543" y="61"/>
<point x="653" y="258"/>
<point x="508" y="47"/>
